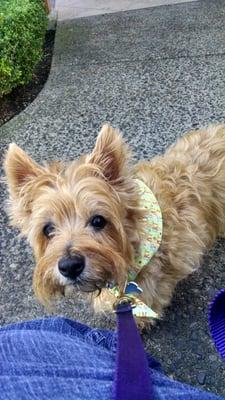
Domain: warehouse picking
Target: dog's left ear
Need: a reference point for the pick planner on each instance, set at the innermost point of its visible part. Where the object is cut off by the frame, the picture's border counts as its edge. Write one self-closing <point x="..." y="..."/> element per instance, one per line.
<point x="110" y="153"/>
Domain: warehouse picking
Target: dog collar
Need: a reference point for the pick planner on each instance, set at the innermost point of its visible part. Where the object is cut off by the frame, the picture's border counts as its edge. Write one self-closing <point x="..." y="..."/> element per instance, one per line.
<point x="152" y="234"/>
<point x="151" y="238"/>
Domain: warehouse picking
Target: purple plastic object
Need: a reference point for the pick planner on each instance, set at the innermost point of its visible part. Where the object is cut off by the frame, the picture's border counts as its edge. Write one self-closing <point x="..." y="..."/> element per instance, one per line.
<point x="132" y="379"/>
<point x="217" y="321"/>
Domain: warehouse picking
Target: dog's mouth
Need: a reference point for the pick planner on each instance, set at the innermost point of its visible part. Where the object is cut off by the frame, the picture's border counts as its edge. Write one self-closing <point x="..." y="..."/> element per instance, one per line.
<point x="90" y="285"/>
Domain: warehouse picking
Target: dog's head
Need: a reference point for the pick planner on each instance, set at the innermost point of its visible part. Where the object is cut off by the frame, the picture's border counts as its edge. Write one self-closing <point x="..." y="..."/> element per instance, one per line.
<point x="81" y="219"/>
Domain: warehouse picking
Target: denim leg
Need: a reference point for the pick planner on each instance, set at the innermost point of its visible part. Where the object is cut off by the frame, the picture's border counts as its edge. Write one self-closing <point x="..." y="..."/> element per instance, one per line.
<point x="59" y="359"/>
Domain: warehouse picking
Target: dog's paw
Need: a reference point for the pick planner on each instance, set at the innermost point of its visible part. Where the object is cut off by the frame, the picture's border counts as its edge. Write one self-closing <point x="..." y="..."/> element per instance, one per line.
<point x="144" y="324"/>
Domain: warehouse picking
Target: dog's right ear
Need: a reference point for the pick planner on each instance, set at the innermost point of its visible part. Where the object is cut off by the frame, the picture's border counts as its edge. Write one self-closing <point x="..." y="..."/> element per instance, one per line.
<point x="19" y="169"/>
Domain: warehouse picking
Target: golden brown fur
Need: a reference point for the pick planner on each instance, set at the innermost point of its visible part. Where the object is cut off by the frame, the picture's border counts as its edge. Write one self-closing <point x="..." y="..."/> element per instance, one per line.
<point x="188" y="181"/>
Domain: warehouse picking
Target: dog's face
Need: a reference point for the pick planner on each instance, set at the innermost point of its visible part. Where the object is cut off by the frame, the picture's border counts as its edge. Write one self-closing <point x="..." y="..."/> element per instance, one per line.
<point x="81" y="219"/>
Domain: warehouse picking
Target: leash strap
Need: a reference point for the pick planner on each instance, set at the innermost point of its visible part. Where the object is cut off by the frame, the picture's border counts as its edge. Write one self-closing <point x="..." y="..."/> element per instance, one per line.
<point x="132" y="378"/>
<point x="217" y="321"/>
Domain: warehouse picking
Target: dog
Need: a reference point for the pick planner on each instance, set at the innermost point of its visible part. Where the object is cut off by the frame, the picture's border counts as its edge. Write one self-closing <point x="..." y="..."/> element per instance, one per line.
<point x="84" y="220"/>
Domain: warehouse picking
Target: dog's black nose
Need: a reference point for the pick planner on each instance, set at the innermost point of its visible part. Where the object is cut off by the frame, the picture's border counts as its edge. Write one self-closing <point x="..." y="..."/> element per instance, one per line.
<point x="71" y="267"/>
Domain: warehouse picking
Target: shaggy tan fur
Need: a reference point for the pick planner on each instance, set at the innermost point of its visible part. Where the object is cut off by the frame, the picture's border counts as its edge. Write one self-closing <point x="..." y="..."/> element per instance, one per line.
<point x="188" y="182"/>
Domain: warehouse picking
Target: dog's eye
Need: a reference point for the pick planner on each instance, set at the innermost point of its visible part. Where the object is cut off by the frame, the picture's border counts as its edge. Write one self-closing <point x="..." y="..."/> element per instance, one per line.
<point x="48" y="230"/>
<point x="98" y="222"/>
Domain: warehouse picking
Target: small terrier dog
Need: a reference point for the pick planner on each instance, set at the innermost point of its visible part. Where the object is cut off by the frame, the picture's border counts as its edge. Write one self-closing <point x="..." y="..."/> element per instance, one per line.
<point x="84" y="219"/>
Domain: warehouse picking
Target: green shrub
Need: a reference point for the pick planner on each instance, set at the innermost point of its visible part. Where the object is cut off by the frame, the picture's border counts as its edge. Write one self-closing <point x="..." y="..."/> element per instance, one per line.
<point x="23" y="25"/>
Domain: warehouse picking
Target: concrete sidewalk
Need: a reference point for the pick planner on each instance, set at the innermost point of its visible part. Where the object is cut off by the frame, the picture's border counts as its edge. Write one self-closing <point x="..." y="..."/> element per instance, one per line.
<point x="154" y="73"/>
<point x="69" y="9"/>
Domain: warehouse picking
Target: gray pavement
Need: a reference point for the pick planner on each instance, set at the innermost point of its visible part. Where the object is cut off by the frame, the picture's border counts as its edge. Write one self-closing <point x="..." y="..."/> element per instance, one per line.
<point x="154" y="73"/>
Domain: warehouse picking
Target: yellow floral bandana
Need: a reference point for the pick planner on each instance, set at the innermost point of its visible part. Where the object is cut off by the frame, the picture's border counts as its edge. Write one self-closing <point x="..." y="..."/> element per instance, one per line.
<point x="150" y="242"/>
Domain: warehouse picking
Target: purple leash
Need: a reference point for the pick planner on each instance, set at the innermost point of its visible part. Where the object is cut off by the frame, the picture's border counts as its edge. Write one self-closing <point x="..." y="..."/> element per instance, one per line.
<point x="217" y="321"/>
<point x="132" y="378"/>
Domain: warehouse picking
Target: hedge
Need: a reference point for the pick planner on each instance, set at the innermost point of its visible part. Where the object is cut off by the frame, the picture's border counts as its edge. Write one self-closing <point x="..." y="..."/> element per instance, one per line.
<point x="23" y="25"/>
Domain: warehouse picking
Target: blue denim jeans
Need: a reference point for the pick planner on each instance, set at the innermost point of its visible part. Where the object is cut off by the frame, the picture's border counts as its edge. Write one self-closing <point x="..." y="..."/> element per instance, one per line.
<point x="59" y="359"/>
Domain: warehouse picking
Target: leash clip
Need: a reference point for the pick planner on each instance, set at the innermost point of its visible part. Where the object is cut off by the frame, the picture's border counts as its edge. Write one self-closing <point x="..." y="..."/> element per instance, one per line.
<point x="123" y="301"/>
